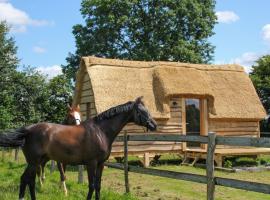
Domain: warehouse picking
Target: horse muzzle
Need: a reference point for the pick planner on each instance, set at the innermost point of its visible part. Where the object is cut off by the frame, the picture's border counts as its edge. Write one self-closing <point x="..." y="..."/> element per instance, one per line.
<point x="152" y="125"/>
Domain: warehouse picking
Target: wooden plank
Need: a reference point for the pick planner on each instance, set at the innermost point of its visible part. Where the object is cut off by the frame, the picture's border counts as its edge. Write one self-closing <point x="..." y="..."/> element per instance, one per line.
<point x="244" y="185"/>
<point x="170" y="131"/>
<point x="238" y="184"/>
<point x="175" y="120"/>
<point x="92" y="112"/>
<point x="169" y="174"/>
<point x="86" y="77"/>
<point x="176" y="115"/>
<point x="235" y="129"/>
<point x="169" y="127"/>
<point x="87" y="92"/>
<point x="114" y="165"/>
<point x="86" y="86"/>
<point x="83" y="107"/>
<point x="211" y="146"/>
<point x="168" y="123"/>
<point x="169" y="137"/>
<point x="243" y="141"/>
<point x="136" y="143"/>
<point x="162" y="173"/>
<point x="87" y="99"/>
<point x="176" y="110"/>
<point x="217" y="124"/>
<point x="149" y="148"/>
<point x="236" y="133"/>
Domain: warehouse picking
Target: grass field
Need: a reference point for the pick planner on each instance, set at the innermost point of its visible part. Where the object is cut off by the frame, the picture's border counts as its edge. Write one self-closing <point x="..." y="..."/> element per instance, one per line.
<point x="143" y="187"/>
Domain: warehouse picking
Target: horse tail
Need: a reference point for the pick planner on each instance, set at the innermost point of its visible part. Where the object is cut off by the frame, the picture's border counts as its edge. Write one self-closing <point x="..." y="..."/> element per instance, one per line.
<point x="13" y="138"/>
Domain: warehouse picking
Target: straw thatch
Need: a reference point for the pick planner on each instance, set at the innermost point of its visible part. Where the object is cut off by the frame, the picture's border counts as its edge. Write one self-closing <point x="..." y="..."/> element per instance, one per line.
<point x="229" y="90"/>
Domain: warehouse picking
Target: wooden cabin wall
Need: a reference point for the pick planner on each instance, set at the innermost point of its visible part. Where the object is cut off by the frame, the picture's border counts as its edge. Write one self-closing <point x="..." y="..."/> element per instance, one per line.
<point x="171" y="126"/>
<point x="235" y="128"/>
<point x="87" y="103"/>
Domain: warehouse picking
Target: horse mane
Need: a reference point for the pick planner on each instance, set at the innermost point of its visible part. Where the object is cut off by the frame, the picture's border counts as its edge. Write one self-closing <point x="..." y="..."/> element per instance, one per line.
<point x="115" y="111"/>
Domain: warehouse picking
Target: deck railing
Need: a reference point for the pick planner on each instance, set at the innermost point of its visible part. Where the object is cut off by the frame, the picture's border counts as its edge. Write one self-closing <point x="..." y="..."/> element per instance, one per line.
<point x="211" y="140"/>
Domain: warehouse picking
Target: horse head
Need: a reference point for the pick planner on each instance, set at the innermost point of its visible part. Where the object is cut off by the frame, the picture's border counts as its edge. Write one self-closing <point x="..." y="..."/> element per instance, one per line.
<point x="142" y="116"/>
<point x="73" y="115"/>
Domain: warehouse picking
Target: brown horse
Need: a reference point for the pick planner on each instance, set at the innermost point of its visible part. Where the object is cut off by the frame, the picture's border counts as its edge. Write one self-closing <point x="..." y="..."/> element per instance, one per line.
<point x="73" y="117"/>
<point x="87" y="144"/>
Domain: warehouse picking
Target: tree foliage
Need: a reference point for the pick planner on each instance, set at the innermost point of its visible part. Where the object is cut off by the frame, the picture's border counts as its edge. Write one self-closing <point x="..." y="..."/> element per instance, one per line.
<point x="8" y="65"/>
<point x="26" y="96"/>
<point x="260" y="77"/>
<point x="171" y="30"/>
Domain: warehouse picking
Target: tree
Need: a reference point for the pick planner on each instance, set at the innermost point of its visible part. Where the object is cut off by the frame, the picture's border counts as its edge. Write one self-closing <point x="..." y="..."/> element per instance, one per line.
<point x="260" y="77"/>
<point x="30" y="97"/>
<point x="171" y="30"/>
<point x="26" y="96"/>
<point x="8" y="65"/>
<point x="59" y="96"/>
<point x="39" y="99"/>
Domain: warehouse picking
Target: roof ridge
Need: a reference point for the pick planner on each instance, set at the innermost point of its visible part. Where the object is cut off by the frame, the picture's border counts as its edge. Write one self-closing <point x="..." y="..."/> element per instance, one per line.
<point x="92" y="60"/>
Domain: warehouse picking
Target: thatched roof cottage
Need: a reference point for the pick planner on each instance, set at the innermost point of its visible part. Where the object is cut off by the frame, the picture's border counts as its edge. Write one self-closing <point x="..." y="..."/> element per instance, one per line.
<point x="183" y="98"/>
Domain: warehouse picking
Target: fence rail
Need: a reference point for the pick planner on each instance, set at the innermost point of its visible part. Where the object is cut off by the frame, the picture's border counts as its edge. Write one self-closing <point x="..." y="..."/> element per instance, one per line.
<point x="212" y="140"/>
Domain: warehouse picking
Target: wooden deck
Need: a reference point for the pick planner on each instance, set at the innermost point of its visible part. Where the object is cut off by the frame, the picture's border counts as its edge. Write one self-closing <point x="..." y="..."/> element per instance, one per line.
<point x="220" y="154"/>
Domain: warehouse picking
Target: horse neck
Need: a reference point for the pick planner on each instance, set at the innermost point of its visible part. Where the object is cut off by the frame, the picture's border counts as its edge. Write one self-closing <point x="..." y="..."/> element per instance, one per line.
<point x="112" y="126"/>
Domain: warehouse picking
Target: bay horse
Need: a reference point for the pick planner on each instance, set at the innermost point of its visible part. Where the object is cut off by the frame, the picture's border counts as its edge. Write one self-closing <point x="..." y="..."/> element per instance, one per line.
<point x="73" y="117"/>
<point x="89" y="143"/>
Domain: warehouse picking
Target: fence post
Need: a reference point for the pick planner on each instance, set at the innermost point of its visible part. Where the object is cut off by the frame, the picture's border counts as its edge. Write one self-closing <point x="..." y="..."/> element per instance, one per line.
<point x="52" y="166"/>
<point x="16" y="156"/>
<point x="3" y="153"/>
<point x="210" y="166"/>
<point x="80" y="174"/>
<point x="126" y="161"/>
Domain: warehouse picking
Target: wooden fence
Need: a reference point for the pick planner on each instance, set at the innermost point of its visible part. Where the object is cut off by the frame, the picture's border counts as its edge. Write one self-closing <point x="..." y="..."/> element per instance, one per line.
<point x="211" y="140"/>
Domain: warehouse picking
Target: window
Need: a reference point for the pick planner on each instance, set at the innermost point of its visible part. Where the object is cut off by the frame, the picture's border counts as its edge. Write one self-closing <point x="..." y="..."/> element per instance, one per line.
<point x="193" y="119"/>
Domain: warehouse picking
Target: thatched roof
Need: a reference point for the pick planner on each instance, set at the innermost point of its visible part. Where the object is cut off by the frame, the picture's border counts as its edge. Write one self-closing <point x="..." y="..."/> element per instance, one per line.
<point x="229" y="90"/>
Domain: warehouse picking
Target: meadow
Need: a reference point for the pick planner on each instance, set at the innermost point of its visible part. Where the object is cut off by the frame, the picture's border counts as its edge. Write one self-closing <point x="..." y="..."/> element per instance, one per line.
<point x="143" y="187"/>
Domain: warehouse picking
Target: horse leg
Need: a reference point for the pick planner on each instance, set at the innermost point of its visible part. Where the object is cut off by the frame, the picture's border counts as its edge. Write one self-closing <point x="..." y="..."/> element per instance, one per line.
<point x="27" y="178"/>
<point x="32" y="181"/>
<point x="99" y="171"/>
<point x="39" y="174"/>
<point x="43" y="171"/>
<point x="62" y="177"/>
<point x="91" y="172"/>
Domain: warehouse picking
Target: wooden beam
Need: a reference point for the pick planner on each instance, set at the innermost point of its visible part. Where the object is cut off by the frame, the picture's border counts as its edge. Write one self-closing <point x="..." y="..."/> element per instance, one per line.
<point x="167" y="137"/>
<point x="243" y="141"/>
<point x="244" y="185"/>
<point x="126" y="162"/>
<point x="203" y="120"/>
<point x="238" y="184"/>
<point x="184" y="126"/>
<point x="210" y="163"/>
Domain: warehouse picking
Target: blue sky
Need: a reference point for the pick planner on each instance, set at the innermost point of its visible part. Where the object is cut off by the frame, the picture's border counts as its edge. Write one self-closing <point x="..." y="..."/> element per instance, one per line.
<point x="42" y="30"/>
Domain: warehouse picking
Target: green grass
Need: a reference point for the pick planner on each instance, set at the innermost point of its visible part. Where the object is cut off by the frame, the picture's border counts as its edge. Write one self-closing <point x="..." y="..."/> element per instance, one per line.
<point x="143" y="187"/>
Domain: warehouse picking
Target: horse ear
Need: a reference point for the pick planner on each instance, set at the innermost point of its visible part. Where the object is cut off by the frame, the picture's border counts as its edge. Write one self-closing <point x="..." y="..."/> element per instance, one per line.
<point x="138" y="100"/>
<point x="69" y="107"/>
<point x="78" y="107"/>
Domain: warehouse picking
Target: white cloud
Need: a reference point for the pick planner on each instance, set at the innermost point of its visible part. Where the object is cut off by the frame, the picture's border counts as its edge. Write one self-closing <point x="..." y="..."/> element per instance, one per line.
<point x="227" y="17"/>
<point x="50" y="71"/>
<point x="39" y="50"/>
<point x="266" y="33"/>
<point x="246" y="60"/>
<point x="18" y="19"/>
